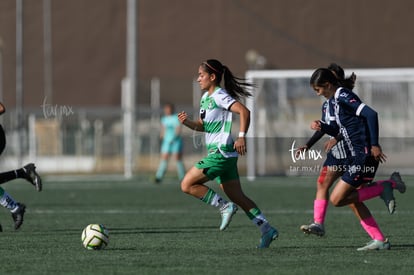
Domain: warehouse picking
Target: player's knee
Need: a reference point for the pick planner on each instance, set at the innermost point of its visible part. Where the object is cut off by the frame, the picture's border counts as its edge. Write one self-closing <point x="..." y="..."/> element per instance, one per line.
<point x="185" y="187"/>
<point x="336" y="201"/>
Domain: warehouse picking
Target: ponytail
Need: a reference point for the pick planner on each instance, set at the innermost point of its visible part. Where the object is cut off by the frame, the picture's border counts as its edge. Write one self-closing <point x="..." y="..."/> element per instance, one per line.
<point x="235" y="86"/>
<point x="348" y="82"/>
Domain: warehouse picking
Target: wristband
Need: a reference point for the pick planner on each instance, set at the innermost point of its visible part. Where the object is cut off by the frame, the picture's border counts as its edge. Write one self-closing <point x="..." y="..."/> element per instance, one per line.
<point x="242" y="134"/>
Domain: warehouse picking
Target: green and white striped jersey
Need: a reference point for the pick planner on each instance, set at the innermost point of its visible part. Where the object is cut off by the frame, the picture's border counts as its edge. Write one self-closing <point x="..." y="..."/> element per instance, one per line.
<point x="217" y="122"/>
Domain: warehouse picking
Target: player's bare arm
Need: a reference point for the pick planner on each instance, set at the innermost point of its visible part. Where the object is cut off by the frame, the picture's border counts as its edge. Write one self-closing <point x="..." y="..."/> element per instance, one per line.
<point x="240" y="143"/>
<point x="2" y="109"/>
<point x="194" y="125"/>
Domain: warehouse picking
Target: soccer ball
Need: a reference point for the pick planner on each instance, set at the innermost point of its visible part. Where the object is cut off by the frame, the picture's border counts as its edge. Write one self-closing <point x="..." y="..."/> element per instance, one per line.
<point x="95" y="237"/>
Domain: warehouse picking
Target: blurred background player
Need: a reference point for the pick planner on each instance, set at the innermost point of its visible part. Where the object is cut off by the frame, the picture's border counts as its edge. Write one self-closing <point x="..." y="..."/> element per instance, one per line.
<point x="217" y="106"/>
<point x="172" y="143"/>
<point x="28" y="172"/>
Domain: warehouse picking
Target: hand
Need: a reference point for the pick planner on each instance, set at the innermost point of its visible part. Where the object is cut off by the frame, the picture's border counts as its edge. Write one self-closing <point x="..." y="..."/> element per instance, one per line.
<point x="377" y="153"/>
<point x="182" y="116"/>
<point x="316" y="125"/>
<point x="240" y="146"/>
<point x="329" y="144"/>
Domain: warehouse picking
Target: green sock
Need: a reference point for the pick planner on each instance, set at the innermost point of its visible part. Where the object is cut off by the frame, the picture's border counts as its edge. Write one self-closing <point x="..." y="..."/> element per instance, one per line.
<point x="256" y="216"/>
<point x="213" y="199"/>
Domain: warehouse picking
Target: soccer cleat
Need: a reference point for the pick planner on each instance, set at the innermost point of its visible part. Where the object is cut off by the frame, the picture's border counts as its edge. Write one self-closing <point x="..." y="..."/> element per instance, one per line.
<point x="387" y="196"/>
<point x="18" y="215"/>
<point x="399" y="184"/>
<point x="313" y="228"/>
<point x="376" y="245"/>
<point x="268" y="237"/>
<point x="227" y="212"/>
<point x="32" y="176"/>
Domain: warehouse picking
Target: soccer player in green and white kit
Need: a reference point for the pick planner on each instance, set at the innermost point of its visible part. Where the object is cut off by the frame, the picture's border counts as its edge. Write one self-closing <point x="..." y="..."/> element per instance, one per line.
<point x="216" y="108"/>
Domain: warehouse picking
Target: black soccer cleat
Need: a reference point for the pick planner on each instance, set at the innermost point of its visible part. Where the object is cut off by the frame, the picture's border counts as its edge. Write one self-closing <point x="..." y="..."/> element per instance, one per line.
<point x="32" y="176"/>
<point x="18" y="215"/>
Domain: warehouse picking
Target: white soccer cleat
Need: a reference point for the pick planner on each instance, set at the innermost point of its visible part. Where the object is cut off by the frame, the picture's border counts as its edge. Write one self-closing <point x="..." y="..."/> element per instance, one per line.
<point x="313" y="228"/>
<point x="227" y="212"/>
<point x="376" y="245"/>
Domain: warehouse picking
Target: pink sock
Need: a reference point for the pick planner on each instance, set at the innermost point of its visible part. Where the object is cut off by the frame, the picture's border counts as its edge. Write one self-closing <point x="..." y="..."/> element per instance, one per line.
<point x="371" y="227"/>
<point x="319" y="210"/>
<point x="370" y="192"/>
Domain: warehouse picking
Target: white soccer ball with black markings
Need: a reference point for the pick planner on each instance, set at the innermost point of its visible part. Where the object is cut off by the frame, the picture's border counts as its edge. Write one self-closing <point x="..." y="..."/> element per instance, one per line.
<point x="95" y="237"/>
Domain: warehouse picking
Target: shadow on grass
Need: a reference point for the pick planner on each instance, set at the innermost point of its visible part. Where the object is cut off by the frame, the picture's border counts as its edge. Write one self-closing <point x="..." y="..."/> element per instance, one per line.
<point x="402" y="246"/>
<point x="120" y="249"/>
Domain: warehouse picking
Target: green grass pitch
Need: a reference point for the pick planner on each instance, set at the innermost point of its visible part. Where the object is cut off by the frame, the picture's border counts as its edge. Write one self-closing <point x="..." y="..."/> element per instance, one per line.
<point x="156" y="229"/>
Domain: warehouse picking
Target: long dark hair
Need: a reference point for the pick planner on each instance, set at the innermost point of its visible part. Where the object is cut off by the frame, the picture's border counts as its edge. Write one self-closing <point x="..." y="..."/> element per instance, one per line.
<point x="348" y="82"/>
<point x="334" y="76"/>
<point x="235" y="86"/>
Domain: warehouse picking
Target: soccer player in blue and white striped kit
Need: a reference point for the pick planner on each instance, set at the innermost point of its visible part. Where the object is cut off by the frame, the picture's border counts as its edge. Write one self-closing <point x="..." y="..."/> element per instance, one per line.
<point x="358" y="126"/>
<point x="330" y="172"/>
<point x="335" y="162"/>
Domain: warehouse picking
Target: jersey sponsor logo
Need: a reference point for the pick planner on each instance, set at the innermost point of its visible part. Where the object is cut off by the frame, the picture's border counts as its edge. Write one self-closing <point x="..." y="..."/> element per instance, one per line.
<point x="202" y="113"/>
<point x="343" y="94"/>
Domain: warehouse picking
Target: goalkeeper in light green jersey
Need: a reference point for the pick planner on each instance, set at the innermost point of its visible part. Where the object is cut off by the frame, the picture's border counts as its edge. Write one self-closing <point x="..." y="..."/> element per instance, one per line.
<point x="216" y="108"/>
<point x="172" y="143"/>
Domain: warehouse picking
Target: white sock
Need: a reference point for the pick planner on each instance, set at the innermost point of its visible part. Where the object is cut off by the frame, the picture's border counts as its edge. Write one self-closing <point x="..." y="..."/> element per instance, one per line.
<point x="8" y="202"/>
<point x="261" y="221"/>
<point x="218" y="201"/>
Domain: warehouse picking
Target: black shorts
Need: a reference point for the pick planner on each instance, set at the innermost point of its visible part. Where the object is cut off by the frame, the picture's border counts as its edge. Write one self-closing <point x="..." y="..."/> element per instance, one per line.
<point x="360" y="169"/>
<point x="354" y="172"/>
<point x="333" y="161"/>
<point x="370" y="169"/>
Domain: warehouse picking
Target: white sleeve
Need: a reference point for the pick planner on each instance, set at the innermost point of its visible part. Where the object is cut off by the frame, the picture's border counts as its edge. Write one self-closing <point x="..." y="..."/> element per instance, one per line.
<point x="224" y="100"/>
